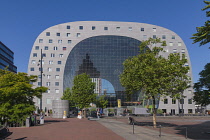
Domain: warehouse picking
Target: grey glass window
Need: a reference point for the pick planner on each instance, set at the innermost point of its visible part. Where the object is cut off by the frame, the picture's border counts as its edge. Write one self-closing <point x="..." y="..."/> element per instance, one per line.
<point x="173" y="37"/>
<point x="58" y="69"/>
<point x="59" y="62"/>
<point x="55" y="48"/>
<point x="50" y="41"/>
<point x="40" y="69"/>
<point x="46" y="48"/>
<point x="56" y="83"/>
<point x="47" y="84"/>
<point x="40" y="40"/>
<point x="189" y="101"/>
<point x="173" y="101"/>
<point x="47" y="33"/>
<point x="190" y="111"/>
<point x="36" y="47"/>
<point x="93" y="27"/>
<point x="64" y="48"/>
<point x="81" y="27"/>
<point x="181" y="101"/>
<point x="68" y="27"/>
<point x="165" y="101"/>
<point x="32" y="69"/>
<point x="154" y="36"/>
<point x="34" y="54"/>
<point x="43" y="54"/>
<point x="58" y="34"/>
<point x="163" y="36"/>
<point x="105" y="28"/>
<point x="52" y="55"/>
<point x="33" y="61"/>
<point x="69" y="41"/>
<point x="68" y="34"/>
<point x="142" y="29"/>
<point x="78" y="35"/>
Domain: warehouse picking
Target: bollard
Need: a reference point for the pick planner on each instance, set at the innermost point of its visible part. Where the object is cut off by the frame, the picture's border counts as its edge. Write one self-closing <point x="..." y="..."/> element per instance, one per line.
<point x="160" y="130"/>
<point x="186" y="133"/>
<point x="133" y="127"/>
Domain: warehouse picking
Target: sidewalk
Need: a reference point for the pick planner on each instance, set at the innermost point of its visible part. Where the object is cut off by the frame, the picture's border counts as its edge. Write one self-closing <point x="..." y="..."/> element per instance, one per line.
<point x="140" y="133"/>
<point x="64" y="129"/>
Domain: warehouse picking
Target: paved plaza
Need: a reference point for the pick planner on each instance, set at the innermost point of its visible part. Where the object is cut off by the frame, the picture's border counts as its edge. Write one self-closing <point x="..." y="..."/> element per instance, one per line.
<point x="115" y="128"/>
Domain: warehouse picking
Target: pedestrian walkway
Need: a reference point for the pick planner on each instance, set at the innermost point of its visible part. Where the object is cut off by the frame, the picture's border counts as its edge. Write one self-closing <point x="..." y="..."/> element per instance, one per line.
<point x="63" y="129"/>
<point x="140" y="133"/>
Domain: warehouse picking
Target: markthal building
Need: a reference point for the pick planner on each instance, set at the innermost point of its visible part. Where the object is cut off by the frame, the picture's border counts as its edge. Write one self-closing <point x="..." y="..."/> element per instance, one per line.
<point x="99" y="48"/>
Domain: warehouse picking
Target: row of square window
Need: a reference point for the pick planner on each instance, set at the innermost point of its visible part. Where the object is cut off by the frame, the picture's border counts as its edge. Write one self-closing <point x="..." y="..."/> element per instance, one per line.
<point x="48" y="69"/>
<point x="59" y="41"/>
<point x="175" y="51"/>
<point x="70" y="41"/>
<point x="48" y="84"/>
<point x="56" y="91"/>
<point x="44" y="55"/>
<point x="79" y="35"/>
<point x="64" y="48"/>
<point x="105" y="28"/>
<point x="49" y="76"/>
<point x="47" y="48"/>
<point x="181" y="101"/>
<point x="50" y="62"/>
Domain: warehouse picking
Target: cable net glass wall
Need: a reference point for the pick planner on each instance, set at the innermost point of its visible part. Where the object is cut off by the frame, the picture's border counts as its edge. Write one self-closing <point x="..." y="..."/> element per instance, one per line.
<point x="101" y="57"/>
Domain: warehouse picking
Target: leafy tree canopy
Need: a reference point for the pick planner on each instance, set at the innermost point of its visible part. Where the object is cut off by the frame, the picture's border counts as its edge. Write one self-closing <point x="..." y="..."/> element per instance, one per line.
<point x="101" y="102"/>
<point x="154" y="74"/>
<point x="67" y="95"/>
<point x="83" y="91"/>
<point x="16" y="95"/>
<point x="203" y="32"/>
<point x="202" y="87"/>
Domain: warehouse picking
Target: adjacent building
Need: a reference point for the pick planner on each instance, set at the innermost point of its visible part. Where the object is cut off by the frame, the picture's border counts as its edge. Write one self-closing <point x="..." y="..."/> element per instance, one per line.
<point x="7" y="58"/>
<point x="98" y="48"/>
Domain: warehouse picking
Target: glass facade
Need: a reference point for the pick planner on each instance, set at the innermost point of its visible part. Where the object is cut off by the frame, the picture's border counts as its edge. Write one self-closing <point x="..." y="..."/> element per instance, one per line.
<point x="6" y="58"/>
<point x="101" y="57"/>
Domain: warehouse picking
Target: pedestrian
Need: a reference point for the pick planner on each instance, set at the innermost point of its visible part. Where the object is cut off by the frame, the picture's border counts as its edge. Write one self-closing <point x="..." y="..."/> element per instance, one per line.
<point x="98" y="114"/>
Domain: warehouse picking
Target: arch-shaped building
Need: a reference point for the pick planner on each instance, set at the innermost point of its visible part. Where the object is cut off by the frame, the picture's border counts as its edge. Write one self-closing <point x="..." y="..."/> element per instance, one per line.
<point x="99" y="49"/>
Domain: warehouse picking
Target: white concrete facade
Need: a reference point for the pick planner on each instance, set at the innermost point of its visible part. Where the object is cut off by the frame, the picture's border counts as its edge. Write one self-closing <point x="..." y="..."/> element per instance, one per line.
<point x="57" y="42"/>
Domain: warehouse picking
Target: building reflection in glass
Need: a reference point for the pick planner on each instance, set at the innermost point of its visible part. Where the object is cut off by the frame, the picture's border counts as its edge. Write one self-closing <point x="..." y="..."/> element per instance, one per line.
<point x="102" y="57"/>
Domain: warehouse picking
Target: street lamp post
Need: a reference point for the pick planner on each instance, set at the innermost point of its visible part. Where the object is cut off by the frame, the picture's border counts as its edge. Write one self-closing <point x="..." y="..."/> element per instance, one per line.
<point x="41" y="71"/>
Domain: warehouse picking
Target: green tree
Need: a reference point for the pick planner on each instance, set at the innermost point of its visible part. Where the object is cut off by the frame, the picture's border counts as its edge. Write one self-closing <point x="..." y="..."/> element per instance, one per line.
<point x="101" y="102"/>
<point x="203" y="32"/>
<point x="154" y="74"/>
<point x="83" y="91"/>
<point x="202" y="87"/>
<point x="67" y="95"/>
<point x="16" y="96"/>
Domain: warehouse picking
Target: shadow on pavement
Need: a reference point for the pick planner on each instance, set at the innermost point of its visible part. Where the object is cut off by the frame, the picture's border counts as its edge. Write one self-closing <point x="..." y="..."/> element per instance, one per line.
<point x="197" y="131"/>
<point x="4" y="133"/>
<point x="21" y="138"/>
<point x="46" y="122"/>
<point x="194" y="131"/>
<point x="158" y="124"/>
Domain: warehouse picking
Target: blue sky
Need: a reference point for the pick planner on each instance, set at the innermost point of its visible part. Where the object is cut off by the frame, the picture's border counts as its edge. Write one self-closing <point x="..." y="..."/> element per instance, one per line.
<point x="21" y="21"/>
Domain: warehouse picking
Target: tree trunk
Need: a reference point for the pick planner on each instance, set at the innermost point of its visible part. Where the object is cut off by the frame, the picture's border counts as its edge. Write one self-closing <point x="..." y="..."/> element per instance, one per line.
<point x="154" y="112"/>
